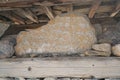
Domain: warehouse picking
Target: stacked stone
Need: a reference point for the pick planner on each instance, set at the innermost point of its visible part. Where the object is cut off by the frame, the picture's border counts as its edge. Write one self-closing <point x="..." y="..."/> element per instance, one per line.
<point x="108" y="39"/>
<point x="7" y="46"/>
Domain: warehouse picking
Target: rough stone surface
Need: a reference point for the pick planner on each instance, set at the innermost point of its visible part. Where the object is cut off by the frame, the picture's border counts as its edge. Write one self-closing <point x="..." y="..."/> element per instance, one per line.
<point x="116" y="50"/>
<point x="66" y="34"/>
<point x="64" y="79"/>
<point x="33" y="79"/>
<point x="98" y="29"/>
<point x="105" y="47"/>
<point x="50" y="78"/>
<point x="7" y="46"/>
<point x="75" y="79"/>
<point x="111" y="34"/>
<point x="3" y="28"/>
<point x="96" y="53"/>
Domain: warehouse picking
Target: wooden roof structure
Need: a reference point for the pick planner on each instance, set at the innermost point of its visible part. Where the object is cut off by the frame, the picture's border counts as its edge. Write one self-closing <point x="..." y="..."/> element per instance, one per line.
<point x="28" y="12"/>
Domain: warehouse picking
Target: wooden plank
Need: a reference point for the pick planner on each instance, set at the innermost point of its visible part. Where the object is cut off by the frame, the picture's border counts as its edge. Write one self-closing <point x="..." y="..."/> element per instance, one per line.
<point x="75" y="0"/>
<point x="30" y="25"/>
<point x="94" y="7"/>
<point x="14" y="3"/>
<point x="7" y="8"/>
<point x="27" y="13"/>
<point x="101" y="9"/>
<point x="48" y="12"/>
<point x="15" y="18"/>
<point x="17" y="3"/>
<point x="98" y="67"/>
<point x="117" y="9"/>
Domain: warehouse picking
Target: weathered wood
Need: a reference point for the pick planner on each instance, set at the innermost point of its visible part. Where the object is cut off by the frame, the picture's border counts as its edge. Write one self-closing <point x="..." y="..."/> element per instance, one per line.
<point x="27" y="13"/>
<point x="48" y="12"/>
<point x="98" y="67"/>
<point x="94" y="7"/>
<point x="101" y="9"/>
<point x="15" y="18"/>
<point x="7" y="8"/>
<point x="30" y="25"/>
<point x="117" y="9"/>
<point x="15" y="3"/>
<point x="5" y="79"/>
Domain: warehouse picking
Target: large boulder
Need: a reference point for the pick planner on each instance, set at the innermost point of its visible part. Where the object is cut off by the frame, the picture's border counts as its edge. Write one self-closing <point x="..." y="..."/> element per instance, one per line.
<point x="67" y="34"/>
<point x="3" y="28"/>
<point x="7" y="46"/>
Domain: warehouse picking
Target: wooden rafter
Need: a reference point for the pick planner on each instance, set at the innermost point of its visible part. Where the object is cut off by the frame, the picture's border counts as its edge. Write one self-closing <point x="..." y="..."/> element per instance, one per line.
<point x="29" y="14"/>
<point x="14" y="3"/>
<point x="17" y="3"/>
<point x="94" y="7"/>
<point x="32" y="10"/>
<point x="48" y="12"/>
<point x="102" y="9"/>
<point x="117" y="9"/>
<point x="15" y="18"/>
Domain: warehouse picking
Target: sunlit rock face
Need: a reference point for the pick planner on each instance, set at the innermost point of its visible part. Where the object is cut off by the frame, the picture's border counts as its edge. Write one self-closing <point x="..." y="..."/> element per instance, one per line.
<point x="67" y="34"/>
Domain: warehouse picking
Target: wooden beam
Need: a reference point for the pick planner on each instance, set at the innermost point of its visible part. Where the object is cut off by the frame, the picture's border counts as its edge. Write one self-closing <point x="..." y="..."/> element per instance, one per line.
<point x="29" y="14"/>
<point x="30" y="25"/>
<point x="117" y="9"/>
<point x="22" y="3"/>
<point x="94" y="7"/>
<point x="102" y="9"/>
<point x="74" y="1"/>
<point x="48" y="12"/>
<point x="7" y="8"/>
<point x="14" y="3"/>
<point x="97" y="67"/>
<point x="15" y="18"/>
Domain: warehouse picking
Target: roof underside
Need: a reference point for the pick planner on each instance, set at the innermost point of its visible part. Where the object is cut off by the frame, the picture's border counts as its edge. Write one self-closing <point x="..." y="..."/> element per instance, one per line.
<point x="24" y="12"/>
